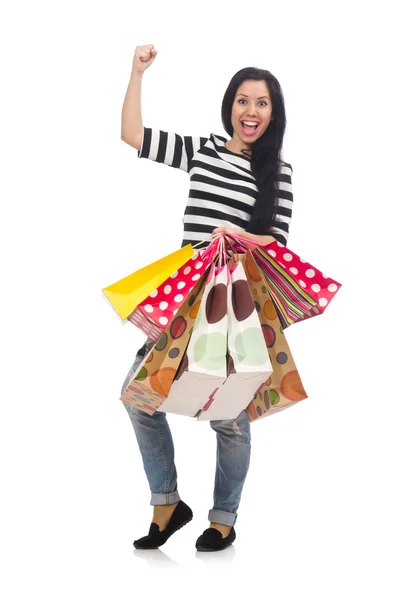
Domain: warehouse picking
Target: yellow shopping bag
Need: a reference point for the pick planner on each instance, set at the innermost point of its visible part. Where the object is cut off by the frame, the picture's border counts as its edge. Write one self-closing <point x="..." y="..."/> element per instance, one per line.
<point x="127" y="293"/>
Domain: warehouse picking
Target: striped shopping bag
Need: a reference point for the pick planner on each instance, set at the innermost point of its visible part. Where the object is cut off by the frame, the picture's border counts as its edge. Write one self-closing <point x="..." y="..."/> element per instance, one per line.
<point x="298" y="289"/>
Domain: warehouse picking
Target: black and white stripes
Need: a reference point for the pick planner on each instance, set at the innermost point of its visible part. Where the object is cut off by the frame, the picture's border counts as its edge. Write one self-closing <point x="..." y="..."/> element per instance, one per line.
<point x="222" y="187"/>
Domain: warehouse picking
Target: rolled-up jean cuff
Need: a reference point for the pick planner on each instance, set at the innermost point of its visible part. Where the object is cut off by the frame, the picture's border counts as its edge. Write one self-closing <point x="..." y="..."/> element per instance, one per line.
<point x="165" y="498"/>
<point x="222" y="517"/>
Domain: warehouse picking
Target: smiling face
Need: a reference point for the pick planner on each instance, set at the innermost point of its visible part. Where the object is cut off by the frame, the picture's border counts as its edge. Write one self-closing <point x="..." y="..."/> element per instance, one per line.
<point x="252" y="104"/>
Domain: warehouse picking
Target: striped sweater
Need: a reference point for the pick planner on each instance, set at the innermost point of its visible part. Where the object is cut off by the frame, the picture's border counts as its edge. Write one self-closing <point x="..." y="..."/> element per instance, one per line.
<point x="222" y="187"/>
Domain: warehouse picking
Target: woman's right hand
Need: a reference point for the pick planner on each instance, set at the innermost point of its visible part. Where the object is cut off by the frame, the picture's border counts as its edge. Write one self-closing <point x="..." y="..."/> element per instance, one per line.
<point x="143" y="58"/>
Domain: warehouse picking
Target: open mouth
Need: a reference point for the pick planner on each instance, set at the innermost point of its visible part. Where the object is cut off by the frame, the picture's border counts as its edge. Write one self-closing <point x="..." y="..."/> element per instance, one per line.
<point x="249" y="128"/>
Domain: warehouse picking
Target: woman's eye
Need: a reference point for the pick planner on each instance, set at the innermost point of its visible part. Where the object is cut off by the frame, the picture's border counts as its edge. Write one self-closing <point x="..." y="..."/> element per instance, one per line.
<point x="261" y="102"/>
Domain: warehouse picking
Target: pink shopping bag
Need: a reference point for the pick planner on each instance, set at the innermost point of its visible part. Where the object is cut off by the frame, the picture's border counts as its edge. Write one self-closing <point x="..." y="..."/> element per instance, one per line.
<point x="155" y="312"/>
<point x="298" y="289"/>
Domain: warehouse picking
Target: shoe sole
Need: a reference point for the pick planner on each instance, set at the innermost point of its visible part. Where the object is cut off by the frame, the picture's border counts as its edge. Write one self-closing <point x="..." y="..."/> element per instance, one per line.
<point x="205" y="549"/>
<point x="155" y="547"/>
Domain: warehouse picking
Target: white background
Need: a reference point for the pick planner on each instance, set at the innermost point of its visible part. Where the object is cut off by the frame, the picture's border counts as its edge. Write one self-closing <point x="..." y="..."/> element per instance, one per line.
<point x="80" y="211"/>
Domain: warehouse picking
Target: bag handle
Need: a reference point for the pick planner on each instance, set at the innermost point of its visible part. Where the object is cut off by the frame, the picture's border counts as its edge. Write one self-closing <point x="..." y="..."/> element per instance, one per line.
<point x="217" y="245"/>
<point x="202" y="242"/>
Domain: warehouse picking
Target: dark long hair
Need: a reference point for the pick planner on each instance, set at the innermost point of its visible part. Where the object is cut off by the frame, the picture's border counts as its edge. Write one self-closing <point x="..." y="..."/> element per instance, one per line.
<point x="266" y="151"/>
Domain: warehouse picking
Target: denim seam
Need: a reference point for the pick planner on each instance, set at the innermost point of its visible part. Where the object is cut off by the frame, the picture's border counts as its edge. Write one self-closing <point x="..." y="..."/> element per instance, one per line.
<point x="167" y="484"/>
<point x="217" y="462"/>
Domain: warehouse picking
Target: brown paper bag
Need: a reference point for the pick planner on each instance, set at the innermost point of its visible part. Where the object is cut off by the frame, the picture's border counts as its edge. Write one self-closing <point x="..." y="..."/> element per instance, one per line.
<point x="151" y="383"/>
<point x="284" y="387"/>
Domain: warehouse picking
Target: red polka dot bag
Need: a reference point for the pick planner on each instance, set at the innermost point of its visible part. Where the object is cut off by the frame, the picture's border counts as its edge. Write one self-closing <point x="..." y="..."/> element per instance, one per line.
<point x="298" y="289"/>
<point x="155" y="312"/>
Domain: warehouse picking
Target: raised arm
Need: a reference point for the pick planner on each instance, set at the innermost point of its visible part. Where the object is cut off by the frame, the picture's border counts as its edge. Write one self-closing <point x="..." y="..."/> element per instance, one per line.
<point x="131" y="117"/>
<point x="167" y="147"/>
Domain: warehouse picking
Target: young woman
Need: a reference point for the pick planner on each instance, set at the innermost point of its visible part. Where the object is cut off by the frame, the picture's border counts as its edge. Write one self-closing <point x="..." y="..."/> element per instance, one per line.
<point x="240" y="186"/>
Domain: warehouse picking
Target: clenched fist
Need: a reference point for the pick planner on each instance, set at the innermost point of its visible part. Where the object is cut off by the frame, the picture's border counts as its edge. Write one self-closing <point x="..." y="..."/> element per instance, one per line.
<point x="143" y="58"/>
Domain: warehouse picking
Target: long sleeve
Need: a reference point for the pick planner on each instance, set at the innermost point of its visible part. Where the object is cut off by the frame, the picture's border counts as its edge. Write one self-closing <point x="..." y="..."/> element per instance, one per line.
<point x="169" y="148"/>
<point x="280" y="228"/>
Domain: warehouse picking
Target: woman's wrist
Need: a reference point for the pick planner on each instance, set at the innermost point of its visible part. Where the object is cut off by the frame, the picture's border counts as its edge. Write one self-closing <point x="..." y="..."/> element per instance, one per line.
<point x="262" y="240"/>
<point x="135" y="74"/>
<point x="258" y="240"/>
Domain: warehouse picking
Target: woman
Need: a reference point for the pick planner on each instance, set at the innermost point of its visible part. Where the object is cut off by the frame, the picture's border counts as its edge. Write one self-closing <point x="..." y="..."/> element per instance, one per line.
<point x="239" y="186"/>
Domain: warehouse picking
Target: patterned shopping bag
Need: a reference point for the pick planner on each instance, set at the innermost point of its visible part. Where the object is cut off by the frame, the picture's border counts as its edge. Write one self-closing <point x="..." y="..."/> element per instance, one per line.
<point x="298" y="289"/>
<point x="284" y="387"/>
<point x="151" y="382"/>
<point x="203" y="368"/>
<point x="154" y="313"/>
<point x="248" y="358"/>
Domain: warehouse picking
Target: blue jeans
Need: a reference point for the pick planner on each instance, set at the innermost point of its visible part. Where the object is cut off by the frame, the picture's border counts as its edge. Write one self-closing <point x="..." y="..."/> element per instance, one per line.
<point x="157" y="449"/>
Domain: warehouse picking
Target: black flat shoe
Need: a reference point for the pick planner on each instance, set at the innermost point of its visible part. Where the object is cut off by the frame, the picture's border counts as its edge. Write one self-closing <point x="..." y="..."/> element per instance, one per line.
<point x="181" y="515"/>
<point x="211" y="540"/>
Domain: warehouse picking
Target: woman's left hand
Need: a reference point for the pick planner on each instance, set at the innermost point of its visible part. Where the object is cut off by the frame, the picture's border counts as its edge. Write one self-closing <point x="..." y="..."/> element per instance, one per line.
<point x="228" y="229"/>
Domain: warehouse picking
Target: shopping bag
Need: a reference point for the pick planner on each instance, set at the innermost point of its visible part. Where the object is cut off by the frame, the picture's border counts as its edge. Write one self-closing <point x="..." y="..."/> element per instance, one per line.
<point x="204" y="364"/>
<point x="154" y="313"/>
<point x="298" y="289"/>
<point x="125" y="295"/>
<point x="284" y="387"/>
<point x="151" y="381"/>
<point x="248" y="359"/>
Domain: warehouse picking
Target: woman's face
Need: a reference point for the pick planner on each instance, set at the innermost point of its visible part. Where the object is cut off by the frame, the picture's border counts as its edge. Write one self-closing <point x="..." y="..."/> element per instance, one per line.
<point x="251" y="103"/>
